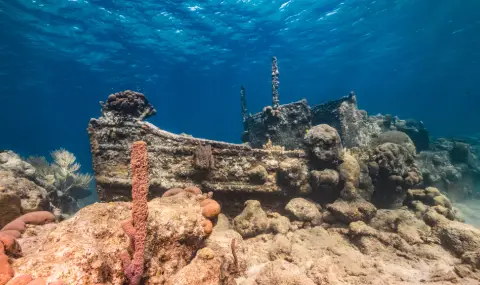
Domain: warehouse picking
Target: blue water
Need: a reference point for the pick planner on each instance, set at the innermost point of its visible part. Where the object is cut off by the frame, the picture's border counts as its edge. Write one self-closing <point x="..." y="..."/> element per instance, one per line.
<point x="411" y="58"/>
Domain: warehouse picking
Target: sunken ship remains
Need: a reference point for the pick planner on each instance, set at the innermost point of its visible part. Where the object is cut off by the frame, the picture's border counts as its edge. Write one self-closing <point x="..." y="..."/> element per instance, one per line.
<point x="328" y="152"/>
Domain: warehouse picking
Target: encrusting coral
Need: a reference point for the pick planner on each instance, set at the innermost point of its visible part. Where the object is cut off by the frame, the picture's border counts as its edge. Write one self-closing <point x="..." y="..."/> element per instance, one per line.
<point x="210" y="208"/>
<point x="10" y="246"/>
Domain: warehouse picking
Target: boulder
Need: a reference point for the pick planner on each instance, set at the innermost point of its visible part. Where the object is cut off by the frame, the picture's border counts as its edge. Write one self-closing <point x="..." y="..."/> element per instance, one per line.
<point x="352" y="211"/>
<point x="350" y="169"/>
<point x="33" y="197"/>
<point x="279" y="224"/>
<point x="252" y="221"/>
<point x="303" y="210"/>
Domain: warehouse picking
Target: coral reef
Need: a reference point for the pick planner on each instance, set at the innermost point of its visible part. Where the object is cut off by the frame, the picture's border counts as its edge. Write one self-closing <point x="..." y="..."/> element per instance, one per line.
<point x="395" y="137"/>
<point x="346" y="202"/>
<point x="324" y="146"/>
<point x="451" y="166"/>
<point x="397" y="172"/>
<point x="127" y="103"/>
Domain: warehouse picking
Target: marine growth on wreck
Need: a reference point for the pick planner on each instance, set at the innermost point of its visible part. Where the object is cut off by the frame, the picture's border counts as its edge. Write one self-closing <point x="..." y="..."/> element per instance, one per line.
<point x="324" y="194"/>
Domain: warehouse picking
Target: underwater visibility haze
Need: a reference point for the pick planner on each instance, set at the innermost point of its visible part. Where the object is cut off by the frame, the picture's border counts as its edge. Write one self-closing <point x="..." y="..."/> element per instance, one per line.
<point x="203" y="165"/>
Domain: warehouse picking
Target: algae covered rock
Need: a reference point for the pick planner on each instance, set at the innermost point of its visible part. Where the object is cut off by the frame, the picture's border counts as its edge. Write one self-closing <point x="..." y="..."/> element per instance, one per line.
<point x="349" y="169"/>
<point x="303" y="209"/>
<point x="352" y="211"/>
<point x="279" y="224"/>
<point x="324" y="179"/>
<point x="325" y="185"/>
<point x="324" y="145"/>
<point x="252" y="221"/>
<point x="459" y="237"/>
<point x="402" y="222"/>
<point x="293" y="176"/>
<point x="258" y="174"/>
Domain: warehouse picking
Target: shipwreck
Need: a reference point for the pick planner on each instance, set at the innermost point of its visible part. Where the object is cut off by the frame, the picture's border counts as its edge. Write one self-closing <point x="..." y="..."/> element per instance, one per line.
<point x="289" y="150"/>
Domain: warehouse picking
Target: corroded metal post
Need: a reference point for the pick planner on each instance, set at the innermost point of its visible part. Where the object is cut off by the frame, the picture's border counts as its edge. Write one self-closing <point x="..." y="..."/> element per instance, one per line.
<point x="244" y="104"/>
<point x="275" y="83"/>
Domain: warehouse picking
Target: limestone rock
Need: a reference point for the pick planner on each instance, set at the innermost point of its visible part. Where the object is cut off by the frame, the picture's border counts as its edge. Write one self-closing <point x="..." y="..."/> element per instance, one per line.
<point x="252" y="221"/>
<point x="459" y="237"/>
<point x="33" y="197"/>
<point x="472" y="258"/>
<point x="205" y="269"/>
<point x="303" y="209"/>
<point x="10" y="208"/>
<point x="85" y="248"/>
<point x="402" y="222"/>
<point x="352" y="211"/>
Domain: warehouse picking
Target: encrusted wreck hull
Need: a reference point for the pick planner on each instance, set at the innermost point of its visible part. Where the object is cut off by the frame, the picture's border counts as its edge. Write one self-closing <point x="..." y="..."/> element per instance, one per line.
<point x="238" y="172"/>
<point x="174" y="161"/>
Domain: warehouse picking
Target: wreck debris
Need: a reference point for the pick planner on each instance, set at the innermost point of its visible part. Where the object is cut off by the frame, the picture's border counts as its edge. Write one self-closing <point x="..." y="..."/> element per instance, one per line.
<point x="275" y="83"/>
<point x="244" y="105"/>
<point x="203" y="157"/>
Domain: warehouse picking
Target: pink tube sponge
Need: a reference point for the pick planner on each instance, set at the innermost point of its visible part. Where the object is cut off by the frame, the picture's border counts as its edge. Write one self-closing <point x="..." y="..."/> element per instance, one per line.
<point x="139" y="165"/>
